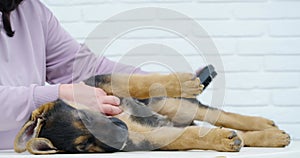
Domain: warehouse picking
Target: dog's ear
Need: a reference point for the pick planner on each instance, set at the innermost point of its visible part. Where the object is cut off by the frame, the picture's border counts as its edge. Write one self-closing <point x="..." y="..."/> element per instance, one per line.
<point x="30" y="130"/>
<point x="40" y="146"/>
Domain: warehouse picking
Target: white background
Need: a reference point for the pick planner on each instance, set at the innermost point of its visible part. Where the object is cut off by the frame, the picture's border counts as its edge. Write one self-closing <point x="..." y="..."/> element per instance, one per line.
<point x="259" y="43"/>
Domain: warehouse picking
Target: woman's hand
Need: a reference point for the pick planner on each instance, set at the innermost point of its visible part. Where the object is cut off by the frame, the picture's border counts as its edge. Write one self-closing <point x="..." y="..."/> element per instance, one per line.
<point x="91" y="97"/>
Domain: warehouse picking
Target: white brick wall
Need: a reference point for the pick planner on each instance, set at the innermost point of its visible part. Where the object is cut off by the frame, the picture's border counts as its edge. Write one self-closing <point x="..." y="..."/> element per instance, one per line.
<point x="258" y="40"/>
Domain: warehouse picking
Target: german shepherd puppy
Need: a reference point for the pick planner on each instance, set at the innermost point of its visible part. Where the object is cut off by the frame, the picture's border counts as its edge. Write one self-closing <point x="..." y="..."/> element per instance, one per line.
<point x="158" y="114"/>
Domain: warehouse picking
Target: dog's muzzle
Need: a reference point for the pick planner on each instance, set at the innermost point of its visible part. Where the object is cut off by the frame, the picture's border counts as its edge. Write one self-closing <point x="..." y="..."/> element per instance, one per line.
<point x="111" y="133"/>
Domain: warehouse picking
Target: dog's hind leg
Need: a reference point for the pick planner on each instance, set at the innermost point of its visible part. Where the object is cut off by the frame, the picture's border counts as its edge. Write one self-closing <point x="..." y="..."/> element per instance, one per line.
<point x="180" y="111"/>
<point x="184" y="111"/>
<point x="154" y="132"/>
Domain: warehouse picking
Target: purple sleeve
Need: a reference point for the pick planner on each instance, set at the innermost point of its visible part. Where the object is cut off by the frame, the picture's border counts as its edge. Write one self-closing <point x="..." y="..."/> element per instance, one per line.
<point x="69" y="62"/>
<point x="18" y="102"/>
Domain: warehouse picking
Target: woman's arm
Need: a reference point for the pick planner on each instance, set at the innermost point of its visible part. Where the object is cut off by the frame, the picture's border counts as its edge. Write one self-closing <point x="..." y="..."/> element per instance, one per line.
<point x="68" y="61"/>
<point x="18" y="102"/>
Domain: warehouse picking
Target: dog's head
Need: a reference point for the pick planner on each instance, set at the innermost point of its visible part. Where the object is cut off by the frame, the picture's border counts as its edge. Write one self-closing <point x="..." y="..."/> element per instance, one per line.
<point x="58" y="127"/>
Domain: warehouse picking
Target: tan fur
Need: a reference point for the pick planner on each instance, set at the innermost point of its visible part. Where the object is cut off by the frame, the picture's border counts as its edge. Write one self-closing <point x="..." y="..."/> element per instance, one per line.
<point x="178" y="110"/>
<point x="215" y="139"/>
<point x="266" y="138"/>
<point x="172" y="138"/>
<point x="80" y="139"/>
<point x="185" y="111"/>
<point x="34" y="120"/>
<point x="40" y="111"/>
<point x="153" y="85"/>
<point x="78" y="125"/>
<point x="244" y="123"/>
<point x="35" y="141"/>
<point x="262" y="131"/>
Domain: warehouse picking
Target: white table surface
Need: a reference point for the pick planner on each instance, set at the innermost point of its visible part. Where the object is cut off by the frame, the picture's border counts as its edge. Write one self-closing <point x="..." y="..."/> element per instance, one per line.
<point x="292" y="151"/>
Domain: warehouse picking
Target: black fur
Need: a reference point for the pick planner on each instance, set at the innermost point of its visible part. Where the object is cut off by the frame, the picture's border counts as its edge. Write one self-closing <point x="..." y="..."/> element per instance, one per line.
<point x="62" y="117"/>
<point x="98" y="80"/>
<point x="141" y="113"/>
<point x="61" y="139"/>
<point x="142" y="146"/>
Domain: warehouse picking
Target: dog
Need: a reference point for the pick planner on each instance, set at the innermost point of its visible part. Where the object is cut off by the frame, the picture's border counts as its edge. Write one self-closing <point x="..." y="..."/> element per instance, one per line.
<point x="159" y="110"/>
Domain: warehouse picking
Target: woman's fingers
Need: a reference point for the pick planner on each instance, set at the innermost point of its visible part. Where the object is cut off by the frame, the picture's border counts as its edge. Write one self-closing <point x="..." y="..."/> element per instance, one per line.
<point x="109" y="109"/>
<point x="91" y="97"/>
<point x="109" y="105"/>
<point x="110" y="100"/>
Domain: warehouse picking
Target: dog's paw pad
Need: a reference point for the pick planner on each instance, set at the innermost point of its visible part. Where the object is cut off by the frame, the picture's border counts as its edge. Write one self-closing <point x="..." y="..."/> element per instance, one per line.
<point x="228" y="140"/>
<point x="232" y="135"/>
<point x="234" y="142"/>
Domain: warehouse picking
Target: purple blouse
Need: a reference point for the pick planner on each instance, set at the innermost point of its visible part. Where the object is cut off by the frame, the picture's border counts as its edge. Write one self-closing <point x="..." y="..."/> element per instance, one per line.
<point x="41" y="51"/>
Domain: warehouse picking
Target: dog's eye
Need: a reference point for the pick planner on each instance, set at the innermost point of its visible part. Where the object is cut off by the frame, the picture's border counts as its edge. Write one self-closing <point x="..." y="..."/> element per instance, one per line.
<point x="82" y="146"/>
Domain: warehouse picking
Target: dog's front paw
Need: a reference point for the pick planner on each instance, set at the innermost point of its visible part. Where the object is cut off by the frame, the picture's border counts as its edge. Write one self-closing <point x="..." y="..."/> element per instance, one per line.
<point x="229" y="141"/>
<point x="225" y="140"/>
<point x="278" y="138"/>
<point x="186" y="85"/>
<point x="267" y="138"/>
<point x="260" y="123"/>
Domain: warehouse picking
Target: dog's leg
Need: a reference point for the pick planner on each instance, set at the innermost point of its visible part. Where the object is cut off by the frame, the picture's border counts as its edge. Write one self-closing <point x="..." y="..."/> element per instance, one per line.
<point x="172" y="138"/>
<point x="184" y="111"/>
<point x="150" y="85"/>
<point x="242" y="122"/>
<point x="180" y="111"/>
<point x="266" y="138"/>
<point x="193" y="137"/>
<point x="147" y="136"/>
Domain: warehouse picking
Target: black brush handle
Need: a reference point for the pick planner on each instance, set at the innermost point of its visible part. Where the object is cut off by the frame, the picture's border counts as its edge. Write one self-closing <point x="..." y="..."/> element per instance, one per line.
<point x="206" y="75"/>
